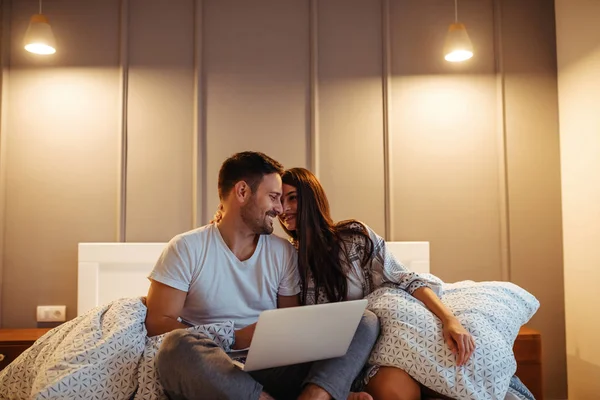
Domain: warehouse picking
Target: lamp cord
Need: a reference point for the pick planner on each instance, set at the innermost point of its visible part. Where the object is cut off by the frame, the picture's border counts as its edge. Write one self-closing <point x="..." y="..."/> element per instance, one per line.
<point x="40" y="6"/>
<point x="455" y="11"/>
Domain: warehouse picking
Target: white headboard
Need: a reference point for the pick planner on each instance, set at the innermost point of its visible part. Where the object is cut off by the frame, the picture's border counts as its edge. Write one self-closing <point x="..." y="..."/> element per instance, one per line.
<point x="414" y="255"/>
<point x="109" y="271"/>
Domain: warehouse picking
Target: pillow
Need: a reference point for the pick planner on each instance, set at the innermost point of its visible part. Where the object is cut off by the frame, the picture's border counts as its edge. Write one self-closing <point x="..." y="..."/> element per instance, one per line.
<point x="411" y="336"/>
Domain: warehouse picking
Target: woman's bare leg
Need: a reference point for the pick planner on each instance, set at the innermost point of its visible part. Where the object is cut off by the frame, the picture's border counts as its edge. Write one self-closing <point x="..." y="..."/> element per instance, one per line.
<point x="392" y="383"/>
<point x="428" y="393"/>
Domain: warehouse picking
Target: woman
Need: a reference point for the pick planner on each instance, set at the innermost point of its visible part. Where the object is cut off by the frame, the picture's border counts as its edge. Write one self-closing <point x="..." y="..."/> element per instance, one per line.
<point x="347" y="261"/>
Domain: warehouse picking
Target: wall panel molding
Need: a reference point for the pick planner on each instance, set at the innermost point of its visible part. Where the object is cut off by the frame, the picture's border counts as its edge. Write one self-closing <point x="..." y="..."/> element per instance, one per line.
<point x="387" y="99"/>
<point x="199" y="189"/>
<point x="313" y="137"/>
<point x="5" y="12"/>
<point x="122" y="145"/>
<point x="501" y="131"/>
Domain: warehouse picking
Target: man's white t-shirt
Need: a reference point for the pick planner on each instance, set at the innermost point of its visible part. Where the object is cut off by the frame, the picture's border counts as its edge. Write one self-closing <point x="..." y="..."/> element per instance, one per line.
<point x="219" y="286"/>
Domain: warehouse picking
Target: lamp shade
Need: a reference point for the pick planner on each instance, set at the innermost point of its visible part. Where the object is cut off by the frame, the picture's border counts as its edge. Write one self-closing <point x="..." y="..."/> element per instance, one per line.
<point x="458" y="46"/>
<point x="39" y="38"/>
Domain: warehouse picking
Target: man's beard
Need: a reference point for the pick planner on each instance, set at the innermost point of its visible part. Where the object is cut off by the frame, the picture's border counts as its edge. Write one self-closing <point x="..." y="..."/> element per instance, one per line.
<point x="256" y="220"/>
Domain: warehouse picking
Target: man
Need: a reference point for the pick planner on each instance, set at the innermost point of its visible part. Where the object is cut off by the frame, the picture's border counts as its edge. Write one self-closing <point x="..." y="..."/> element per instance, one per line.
<point x="220" y="277"/>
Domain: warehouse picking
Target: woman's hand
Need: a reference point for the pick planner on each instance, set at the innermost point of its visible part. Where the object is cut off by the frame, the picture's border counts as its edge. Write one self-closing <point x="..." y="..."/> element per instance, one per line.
<point x="456" y="336"/>
<point x="459" y="340"/>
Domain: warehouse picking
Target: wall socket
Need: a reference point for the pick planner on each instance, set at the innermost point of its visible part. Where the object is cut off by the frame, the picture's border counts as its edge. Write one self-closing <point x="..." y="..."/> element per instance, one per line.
<point x="51" y="313"/>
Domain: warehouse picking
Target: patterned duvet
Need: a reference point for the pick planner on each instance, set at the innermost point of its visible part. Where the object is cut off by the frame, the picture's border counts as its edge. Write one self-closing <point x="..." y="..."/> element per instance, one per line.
<point x="105" y="354"/>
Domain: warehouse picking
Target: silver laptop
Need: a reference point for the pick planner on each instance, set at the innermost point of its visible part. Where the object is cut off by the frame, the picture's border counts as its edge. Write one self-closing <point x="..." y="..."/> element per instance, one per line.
<point x="289" y="336"/>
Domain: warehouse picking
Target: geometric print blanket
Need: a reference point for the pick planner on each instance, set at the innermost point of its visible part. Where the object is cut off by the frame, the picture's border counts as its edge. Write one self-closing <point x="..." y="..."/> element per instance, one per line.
<point x="411" y="337"/>
<point x="104" y="354"/>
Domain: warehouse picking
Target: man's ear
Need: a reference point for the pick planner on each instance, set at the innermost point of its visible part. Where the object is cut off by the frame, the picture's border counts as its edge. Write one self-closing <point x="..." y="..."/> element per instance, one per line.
<point x="242" y="191"/>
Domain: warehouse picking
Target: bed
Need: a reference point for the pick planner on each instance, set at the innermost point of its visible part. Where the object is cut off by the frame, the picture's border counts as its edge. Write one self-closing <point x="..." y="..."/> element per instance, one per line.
<point x="105" y="349"/>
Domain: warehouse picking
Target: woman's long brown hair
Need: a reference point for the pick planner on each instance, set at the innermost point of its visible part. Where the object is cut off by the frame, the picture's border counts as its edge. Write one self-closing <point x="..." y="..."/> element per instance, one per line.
<point x="320" y="242"/>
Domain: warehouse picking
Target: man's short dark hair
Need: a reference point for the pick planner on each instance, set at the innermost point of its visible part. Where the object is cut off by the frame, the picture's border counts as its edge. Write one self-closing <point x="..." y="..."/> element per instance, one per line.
<point x="247" y="166"/>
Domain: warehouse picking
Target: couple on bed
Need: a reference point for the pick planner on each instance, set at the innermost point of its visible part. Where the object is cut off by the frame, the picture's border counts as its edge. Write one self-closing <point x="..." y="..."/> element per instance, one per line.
<point x="233" y="269"/>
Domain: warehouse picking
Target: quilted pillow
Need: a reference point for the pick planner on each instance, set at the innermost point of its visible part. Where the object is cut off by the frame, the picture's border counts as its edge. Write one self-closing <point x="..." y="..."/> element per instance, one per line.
<point x="411" y="336"/>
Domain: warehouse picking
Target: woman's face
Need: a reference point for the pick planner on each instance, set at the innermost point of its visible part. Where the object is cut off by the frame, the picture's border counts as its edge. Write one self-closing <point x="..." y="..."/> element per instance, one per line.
<point x="289" y="200"/>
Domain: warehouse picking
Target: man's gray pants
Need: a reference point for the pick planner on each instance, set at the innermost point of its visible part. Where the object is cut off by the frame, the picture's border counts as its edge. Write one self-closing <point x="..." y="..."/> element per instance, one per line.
<point x="191" y="366"/>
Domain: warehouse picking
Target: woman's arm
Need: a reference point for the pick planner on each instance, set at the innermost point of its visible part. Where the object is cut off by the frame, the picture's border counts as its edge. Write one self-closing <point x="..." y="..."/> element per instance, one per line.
<point x="456" y="336"/>
<point x="385" y="268"/>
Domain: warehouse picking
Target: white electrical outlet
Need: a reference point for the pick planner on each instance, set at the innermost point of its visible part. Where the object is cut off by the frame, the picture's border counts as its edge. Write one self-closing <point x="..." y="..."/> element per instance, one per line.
<point x="51" y="313"/>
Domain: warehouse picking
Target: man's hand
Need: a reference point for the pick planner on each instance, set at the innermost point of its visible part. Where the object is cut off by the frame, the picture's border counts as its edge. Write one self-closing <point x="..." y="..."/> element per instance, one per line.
<point x="243" y="337"/>
<point x="459" y="340"/>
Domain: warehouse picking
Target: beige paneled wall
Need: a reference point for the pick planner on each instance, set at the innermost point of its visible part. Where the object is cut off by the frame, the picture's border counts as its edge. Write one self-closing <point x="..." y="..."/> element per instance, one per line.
<point x="4" y="63"/>
<point x="312" y="83"/>
<point x="533" y="172"/>
<point x="159" y="119"/>
<point x="350" y="148"/>
<point x="255" y="50"/>
<point x="444" y="140"/>
<point x="61" y="135"/>
<point x="578" y="45"/>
